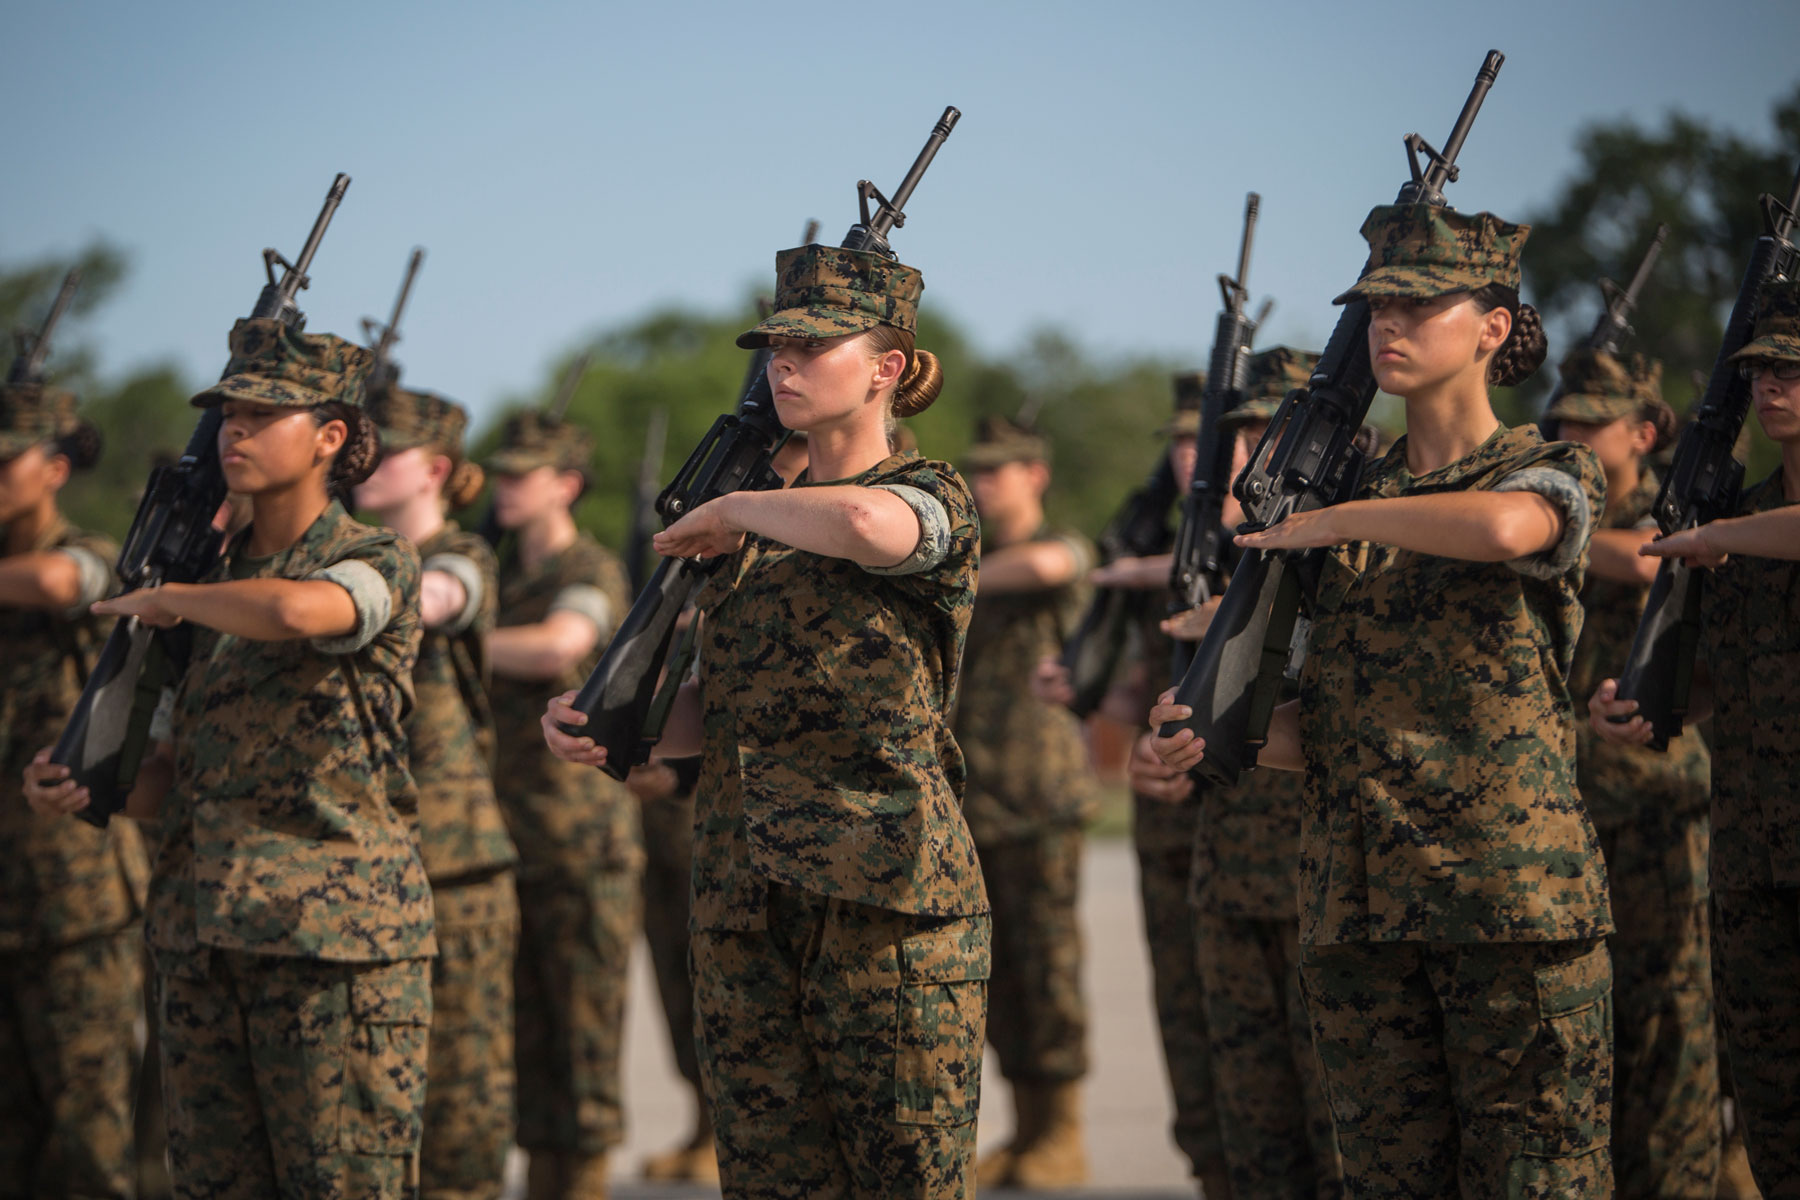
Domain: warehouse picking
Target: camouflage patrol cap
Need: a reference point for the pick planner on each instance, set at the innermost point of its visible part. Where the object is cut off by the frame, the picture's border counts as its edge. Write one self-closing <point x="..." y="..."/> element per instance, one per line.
<point x="828" y="291"/>
<point x="999" y="441"/>
<point x="1423" y="251"/>
<point x="406" y="418"/>
<point x="530" y="440"/>
<point x="1777" y="331"/>
<point x="273" y="363"/>
<point x="1185" y="421"/>
<point x="1598" y="388"/>
<point x="1272" y="375"/>
<point x="34" y="413"/>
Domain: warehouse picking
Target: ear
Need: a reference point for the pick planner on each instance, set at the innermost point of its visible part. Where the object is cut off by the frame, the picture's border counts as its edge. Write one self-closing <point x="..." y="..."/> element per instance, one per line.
<point x="568" y="485"/>
<point x="439" y="468"/>
<point x="330" y="437"/>
<point x="56" y="470"/>
<point x="889" y="369"/>
<point x="1496" y="327"/>
<point x="1643" y="437"/>
<point x="1039" y="473"/>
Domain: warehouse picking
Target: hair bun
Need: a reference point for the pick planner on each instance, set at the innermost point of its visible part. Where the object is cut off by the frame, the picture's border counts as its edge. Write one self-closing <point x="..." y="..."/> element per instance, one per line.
<point x="920" y="385"/>
<point x="464" y="484"/>
<point x="1523" y="351"/>
<point x="81" y="445"/>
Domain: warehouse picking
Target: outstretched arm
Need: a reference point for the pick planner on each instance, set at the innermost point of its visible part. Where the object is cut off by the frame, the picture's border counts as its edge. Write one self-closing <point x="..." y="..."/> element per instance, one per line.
<point x="870" y="526"/>
<point x="264" y="610"/>
<point x="1771" y="534"/>
<point x="1478" y="526"/>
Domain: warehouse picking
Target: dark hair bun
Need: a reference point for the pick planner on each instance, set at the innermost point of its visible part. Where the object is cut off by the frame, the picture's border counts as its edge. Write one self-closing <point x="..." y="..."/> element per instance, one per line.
<point x="1659" y="414"/>
<point x="1522" y="353"/>
<point x="81" y="446"/>
<point x="464" y="484"/>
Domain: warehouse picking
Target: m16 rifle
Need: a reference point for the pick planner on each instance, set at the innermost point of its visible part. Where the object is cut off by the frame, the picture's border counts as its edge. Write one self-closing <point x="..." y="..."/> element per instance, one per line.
<point x="385" y="373"/>
<point x="1308" y="458"/>
<point x="1702" y="485"/>
<point x="1614" y="323"/>
<point x="735" y="455"/>
<point x="172" y="540"/>
<point x="34" y="348"/>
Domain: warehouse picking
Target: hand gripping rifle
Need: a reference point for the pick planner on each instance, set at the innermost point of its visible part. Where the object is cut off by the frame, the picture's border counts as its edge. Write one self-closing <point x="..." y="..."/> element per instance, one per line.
<point x="735" y="455"/>
<point x="34" y="348"/>
<point x="172" y="539"/>
<point x="1196" y="572"/>
<point x="1306" y="460"/>
<point x="1614" y="323"/>
<point x="1702" y="485"/>
<point x="384" y="373"/>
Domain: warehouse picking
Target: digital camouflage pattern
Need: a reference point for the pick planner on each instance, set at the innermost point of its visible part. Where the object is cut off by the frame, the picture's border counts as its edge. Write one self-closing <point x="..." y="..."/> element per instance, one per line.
<point x="274" y="363"/>
<point x="409" y="417"/>
<point x="469" y="1107"/>
<point x="1274" y="1120"/>
<point x="999" y="441"/>
<point x="1598" y="387"/>
<point x="829" y="763"/>
<point x="291" y="827"/>
<point x="828" y="291"/>
<point x="1777" y="331"/>
<point x="1190" y="386"/>
<point x="34" y="413"/>
<point x="1273" y="374"/>
<point x="530" y="440"/>
<point x="1480" y="1069"/>
<point x="451" y="731"/>
<point x="1247" y="847"/>
<point x="1424" y="250"/>
<point x="841" y="1046"/>
<point x="66" y="1019"/>
<point x="1037" y="1013"/>
<point x="1756" y="967"/>
<point x="293" y="1076"/>
<point x="1441" y="803"/>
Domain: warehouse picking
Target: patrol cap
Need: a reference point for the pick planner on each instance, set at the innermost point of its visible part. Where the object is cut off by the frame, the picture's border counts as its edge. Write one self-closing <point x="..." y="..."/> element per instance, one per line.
<point x="530" y="440"/>
<point x="1185" y="420"/>
<point x="828" y="291"/>
<point x="999" y="441"/>
<point x="1423" y="251"/>
<point x="1272" y="375"/>
<point x="406" y="418"/>
<point x="1777" y="331"/>
<point x="1598" y="388"/>
<point x="273" y="363"/>
<point x="34" y="413"/>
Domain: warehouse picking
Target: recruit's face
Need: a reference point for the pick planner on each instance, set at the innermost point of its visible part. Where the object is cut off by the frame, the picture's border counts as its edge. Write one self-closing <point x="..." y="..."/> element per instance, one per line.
<point x="265" y="446"/>
<point x="1419" y="344"/>
<point x="1777" y="404"/>
<point x="1617" y="443"/>
<point x="829" y="383"/>
<point x="1002" y="491"/>
<point x="401" y="477"/>
<point x="26" y="478"/>
<point x="1182" y="455"/>
<point x="523" y="498"/>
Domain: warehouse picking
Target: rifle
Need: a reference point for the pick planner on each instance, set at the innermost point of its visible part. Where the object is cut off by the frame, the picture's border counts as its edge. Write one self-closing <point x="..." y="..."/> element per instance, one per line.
<point x="385" y="374"/>
<point x="1614" y="323"/>
<point x="488" y="528"/>
<point x="1196" y="572"/>
<point x="1306" y="459"/>
<point x="736" y="454"/>
<point x="643" y="500"/>
<point x="1702" y="485"/>
<point x="172" y="539"/>
<point x="34" y="348"/>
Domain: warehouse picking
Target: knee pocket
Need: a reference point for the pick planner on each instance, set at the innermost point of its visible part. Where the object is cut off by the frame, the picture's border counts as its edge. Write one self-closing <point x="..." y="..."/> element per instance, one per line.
<point x="1570" y="1064"/>
<point x="383" y="1101"/>
<point x="942" y="1023"/>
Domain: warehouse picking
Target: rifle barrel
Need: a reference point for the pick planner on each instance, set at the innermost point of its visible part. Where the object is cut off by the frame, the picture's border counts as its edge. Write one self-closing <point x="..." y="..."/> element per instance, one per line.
<point x="571" y="380"/>
<point x="333" y="198"/>
<point x="895" y="211"/>
<point x="1484" y="79"/>
<point x="30" y="363"/>
<point x="1252" y="205"/>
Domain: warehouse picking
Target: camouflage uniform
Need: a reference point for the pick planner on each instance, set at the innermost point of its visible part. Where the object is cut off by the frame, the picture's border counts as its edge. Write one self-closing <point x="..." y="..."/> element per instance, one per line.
<point x="835" y="882"/>
<point x="1274" y="1121"/>
<point x="1453" y="897"/>
<point x="581" y="855"/>
<point x="1751" y="613"/>
<point x="1030" y="790"/>
<point x="468" y="856"/>
<point x="70" y="894"/>
<point x="1650" y="812"/>
<point x="289" y="915"/>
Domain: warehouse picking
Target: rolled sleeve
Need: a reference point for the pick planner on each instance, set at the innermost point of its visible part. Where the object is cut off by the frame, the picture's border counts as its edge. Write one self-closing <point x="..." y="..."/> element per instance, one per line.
<point x="1566" y="493"/>
<point x="588" y="601"/>
<point x="371" y="594"/>
<point x="95" y="578"/>
<point x="465" y="571"/>
<point x="934" y="531"/>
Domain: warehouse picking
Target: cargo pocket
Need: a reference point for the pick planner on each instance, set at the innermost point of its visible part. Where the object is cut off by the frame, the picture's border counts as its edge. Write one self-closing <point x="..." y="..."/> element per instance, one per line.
<point x="1563" y="1147"/>
<point x="383" y="1103"/>
<point x="942" y="1023"/>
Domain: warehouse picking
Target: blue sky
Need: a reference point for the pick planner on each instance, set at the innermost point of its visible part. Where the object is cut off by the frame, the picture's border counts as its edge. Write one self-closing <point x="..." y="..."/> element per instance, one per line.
<point x="570" y="166"/>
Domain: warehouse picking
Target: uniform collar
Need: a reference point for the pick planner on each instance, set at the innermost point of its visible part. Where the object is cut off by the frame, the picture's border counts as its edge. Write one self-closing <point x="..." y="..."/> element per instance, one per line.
<point x="1504" y="443"/>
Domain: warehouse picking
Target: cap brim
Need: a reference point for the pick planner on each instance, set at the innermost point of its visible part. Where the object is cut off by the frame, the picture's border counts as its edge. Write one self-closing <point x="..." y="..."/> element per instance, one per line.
<point x="393" y="443"/>
<point x="986" y="458"/>
<point x="1419" y="283"/>
<point x="14" y="444"/>
<point x="807" y="324"/>
<point x="259" y="389"/>
<point x="1590" y="409"/>
<point x="1775" y="346"/>
<point x="517" y="462"/>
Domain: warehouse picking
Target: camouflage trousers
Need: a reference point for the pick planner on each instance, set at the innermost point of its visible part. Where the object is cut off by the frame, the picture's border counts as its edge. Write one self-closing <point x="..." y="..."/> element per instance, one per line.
<point x="1273" y="1115"/>
<point x="574" y="950"/>
<point x="841" y="1049"/>
<point x="1483" y="1068"/>
<point x="1756" y="966"/>
<point x="1666" y="1133"/>
<point x="668" y="872"/>
<point x="293" y="1077"/>
<point x="1037" y="1016"/>
<point x="66" y="1048"/>
<point x="469" y="1114"/>
<point x="1164" y="872"/>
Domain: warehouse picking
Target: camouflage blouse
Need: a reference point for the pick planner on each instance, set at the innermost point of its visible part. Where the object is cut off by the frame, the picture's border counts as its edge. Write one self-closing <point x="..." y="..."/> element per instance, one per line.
<point x="1751" y="614"/>
<point x="1618" y="783"/>
<point x="61" y="880"/>
<point x="1439" y="738"/>
<point x="451" y="730"/>
<point x="291" y="828"/>
<point x="1027" y="763"/>
<point x="828" y="760"/>
<point x="567" y="820"/>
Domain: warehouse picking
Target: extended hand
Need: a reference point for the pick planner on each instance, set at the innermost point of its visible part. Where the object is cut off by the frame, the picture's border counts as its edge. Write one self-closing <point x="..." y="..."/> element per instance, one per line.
<point x="569" y="749"/>
<point x="145" y="604"/>
<point x="1183" y="751"/>
<point x="1694" y="545"/>
<point x="48" y="788"/>
<point x="1300" y="531"/>
<point x="703" y="533"/>
<point x="1151" y="776"/>
<point x="1604" y="703"/>
<point x="1191" y="624"/>
<point x="1050" y="682"/>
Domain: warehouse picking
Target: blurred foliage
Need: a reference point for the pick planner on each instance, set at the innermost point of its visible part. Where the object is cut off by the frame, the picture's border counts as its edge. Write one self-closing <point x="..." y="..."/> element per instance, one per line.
<point x="1704" y="184"/>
